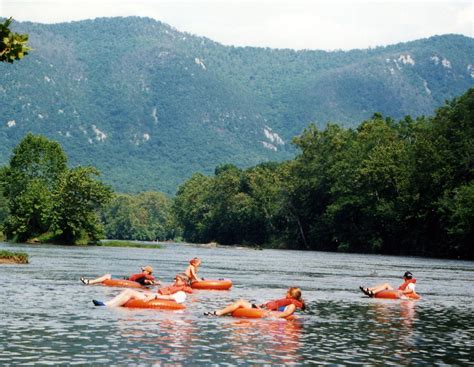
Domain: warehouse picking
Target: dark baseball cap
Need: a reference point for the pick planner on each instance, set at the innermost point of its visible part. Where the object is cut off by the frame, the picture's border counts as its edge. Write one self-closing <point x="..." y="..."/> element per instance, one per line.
<point x="408" y="275"/>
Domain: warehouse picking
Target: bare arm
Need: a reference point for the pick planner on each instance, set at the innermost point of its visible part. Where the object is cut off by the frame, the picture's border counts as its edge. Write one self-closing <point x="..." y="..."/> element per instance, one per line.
<point x="193" y="274"/>
<point x="408" y="290"/>
<point x="289" y="310"/>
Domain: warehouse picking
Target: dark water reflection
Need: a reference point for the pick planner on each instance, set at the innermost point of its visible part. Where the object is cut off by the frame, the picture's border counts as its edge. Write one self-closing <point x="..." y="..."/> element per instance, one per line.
<point x="47" y="316"/>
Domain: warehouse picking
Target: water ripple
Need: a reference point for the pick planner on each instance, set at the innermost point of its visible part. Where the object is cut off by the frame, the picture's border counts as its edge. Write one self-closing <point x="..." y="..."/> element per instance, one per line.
<point x="47" y="316"/>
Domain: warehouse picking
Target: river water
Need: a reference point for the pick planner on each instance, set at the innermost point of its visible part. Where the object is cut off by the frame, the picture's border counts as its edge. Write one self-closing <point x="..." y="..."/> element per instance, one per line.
<point x="47" y="316"/>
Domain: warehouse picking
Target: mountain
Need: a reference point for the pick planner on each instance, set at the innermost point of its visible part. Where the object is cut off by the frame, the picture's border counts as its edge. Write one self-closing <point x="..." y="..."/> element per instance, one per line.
<point x="149" y="105"/>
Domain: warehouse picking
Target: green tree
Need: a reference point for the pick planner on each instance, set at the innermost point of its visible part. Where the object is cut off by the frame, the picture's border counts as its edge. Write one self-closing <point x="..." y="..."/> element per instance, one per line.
<point x="117" y="217"/>
<point x="233" y="217"/>
<point x="35" y="166"/>
<point x="3" y="200"/>
<point x="310" y="185"/>
<point x="77" y="199"/>
<point x="445" y="165"/>
<point x="191" y="208"/>
<point x="377" y="185"/>
<point x="146" y="216"/>
<point x="13" y="46"/>
<point x="457" y="211"/>
<point x="263" y="184"/>
<point x="154" y="210"/>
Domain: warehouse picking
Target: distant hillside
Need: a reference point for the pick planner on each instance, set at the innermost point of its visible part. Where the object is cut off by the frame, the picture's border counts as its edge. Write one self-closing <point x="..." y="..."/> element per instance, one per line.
<point x="149" y="105"/>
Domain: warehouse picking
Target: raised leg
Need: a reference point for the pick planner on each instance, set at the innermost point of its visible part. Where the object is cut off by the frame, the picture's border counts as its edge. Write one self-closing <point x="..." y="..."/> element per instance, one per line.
<point x="241" y="303"/>
<point x="127" y="295"/>
<point x="99" y="279"/>
<point x="381" y="287"/>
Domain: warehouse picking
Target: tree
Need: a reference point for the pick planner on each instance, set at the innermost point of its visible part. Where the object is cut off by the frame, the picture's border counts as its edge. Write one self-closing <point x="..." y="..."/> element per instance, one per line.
<point x="35" y="166"/>
<point x="117" y="217"/>
<point x="191" y="208"/>
<point x="13" y="46"/>
<point x="264" y="184"/>
<point x="77" y="199"/>
<point x="457" y="211"/>
<point x="146" y="216"/>
<point x="3" y="200"/>
<point x="310" y="185"/>
<point x="448" y="171"/>
<point x="232" y="215"/>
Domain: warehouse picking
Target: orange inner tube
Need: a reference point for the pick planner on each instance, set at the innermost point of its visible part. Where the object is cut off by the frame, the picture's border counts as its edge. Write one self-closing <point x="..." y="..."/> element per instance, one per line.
<point x="211" y="284"/>
<point x="394" y="294"/>
<point x="254" y="313"/>
<point x="158" y="304"/>
<point x="121" y="283"/>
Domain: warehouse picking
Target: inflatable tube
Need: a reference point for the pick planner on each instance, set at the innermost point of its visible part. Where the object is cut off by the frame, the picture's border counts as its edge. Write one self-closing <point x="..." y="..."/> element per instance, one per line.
<point x="249" y="313"/>
<point x="254" y="313"/>
<point x="121" y="283"/>
<point x="212" y="284"/>
<point x="157" y="304"/>
<point x="394" y="294"/>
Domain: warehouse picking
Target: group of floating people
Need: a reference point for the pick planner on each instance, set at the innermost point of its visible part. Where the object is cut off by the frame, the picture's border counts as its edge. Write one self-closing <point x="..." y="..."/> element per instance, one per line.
<point x="173" y="295"/>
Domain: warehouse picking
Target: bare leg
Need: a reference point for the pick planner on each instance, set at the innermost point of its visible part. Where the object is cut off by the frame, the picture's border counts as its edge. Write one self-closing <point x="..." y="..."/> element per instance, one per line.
<point x="127" y="295"/>
<point x="241" y="303"/>
<point x="97" y="280"/>
<point x="381" y="287"/>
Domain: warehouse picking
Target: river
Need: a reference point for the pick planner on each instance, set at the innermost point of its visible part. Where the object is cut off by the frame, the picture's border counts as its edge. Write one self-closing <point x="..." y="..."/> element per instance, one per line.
<point x="47" y="316"/>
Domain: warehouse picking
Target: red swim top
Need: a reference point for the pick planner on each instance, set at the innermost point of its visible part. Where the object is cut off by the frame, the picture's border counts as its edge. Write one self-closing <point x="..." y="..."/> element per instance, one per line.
<point x="172" y="289"/>
<point x="276" y="304"/>
<point x="405" y="284"/>
<point x="140" y="277"/>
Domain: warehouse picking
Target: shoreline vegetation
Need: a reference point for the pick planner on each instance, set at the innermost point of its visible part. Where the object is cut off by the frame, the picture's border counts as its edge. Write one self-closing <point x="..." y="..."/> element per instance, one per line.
<point x="10" y="257"/>
<point x="132" y="244"/>
<point x="387" y="187"/>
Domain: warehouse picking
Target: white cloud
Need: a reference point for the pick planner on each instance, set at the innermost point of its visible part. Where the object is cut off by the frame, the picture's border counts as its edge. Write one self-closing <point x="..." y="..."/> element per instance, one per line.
<point x="311" y="24"/>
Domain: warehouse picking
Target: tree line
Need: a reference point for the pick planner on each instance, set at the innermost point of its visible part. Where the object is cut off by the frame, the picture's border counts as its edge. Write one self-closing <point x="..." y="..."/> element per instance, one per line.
<point x="391" y="187"/>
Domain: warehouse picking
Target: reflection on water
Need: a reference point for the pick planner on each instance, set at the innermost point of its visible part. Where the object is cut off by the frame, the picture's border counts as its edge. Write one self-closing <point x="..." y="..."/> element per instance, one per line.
<point x="47" y="315"/>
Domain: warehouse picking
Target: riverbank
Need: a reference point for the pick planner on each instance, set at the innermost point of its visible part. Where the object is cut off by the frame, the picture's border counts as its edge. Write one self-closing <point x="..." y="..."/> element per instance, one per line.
<point x="118" y="243"/>
<point x="9" y="257"/>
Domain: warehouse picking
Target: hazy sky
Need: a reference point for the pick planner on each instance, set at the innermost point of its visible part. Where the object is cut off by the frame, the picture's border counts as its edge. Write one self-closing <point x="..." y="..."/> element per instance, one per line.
<point x="298" y="24"/>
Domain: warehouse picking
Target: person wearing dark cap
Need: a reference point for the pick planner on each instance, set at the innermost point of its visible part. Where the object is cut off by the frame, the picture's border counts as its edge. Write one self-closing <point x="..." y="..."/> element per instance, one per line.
<point x="144" y="278"/>
<point x="408" y="286"/>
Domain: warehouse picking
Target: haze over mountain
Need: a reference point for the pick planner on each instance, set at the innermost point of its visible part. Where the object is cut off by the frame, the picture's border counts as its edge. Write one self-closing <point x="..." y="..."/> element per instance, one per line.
<point x="149" y="105"/>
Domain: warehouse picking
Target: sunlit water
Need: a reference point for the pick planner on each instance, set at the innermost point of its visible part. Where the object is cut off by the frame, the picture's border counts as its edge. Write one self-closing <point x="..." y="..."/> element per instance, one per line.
<point x="47" y="316"/>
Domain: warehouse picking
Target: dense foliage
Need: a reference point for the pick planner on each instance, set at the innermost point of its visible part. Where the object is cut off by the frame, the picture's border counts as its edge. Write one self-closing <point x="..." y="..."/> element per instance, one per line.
<point x="155" y="105"/>
<point x="403" y="187"/>
<point x="144" y="216"/>
<point x="13" y="46"/>
<point x="45" y="197"/>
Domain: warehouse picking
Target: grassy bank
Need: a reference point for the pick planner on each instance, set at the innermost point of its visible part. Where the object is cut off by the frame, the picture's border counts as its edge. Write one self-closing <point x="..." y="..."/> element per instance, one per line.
<point x="9" y="257"/>
<point x="128" y="244"/>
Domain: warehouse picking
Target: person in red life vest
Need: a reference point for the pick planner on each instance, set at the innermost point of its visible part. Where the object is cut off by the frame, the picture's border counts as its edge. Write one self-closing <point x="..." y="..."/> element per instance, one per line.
<point x="407" y="287"/>
<point x="175" y="292"/>
<point x="190" y="273"/>
<point x="180" y="284"/>
<point x="280" y="308"/>
<point x="144" y="278"/>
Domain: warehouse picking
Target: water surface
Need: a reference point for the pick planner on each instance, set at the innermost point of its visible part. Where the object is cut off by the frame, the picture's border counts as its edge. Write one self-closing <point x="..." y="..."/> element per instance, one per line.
<point x="47" y="316"/>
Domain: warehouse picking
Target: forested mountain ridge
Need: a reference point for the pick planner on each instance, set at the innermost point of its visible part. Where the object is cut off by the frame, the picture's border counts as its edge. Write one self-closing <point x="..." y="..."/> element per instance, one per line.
<point x="149" y="105"/>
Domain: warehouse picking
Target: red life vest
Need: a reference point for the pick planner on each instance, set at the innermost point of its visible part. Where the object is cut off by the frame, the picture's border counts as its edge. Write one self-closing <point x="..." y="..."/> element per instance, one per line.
<point x="276" y="304"/>
<point x="172" y="289"/>
<point x="140" y="277"/>
<point x="405" y="284"/>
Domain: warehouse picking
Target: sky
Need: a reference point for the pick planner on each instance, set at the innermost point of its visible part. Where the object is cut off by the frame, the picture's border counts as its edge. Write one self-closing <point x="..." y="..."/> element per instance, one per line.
<point x="296" y="24"/>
